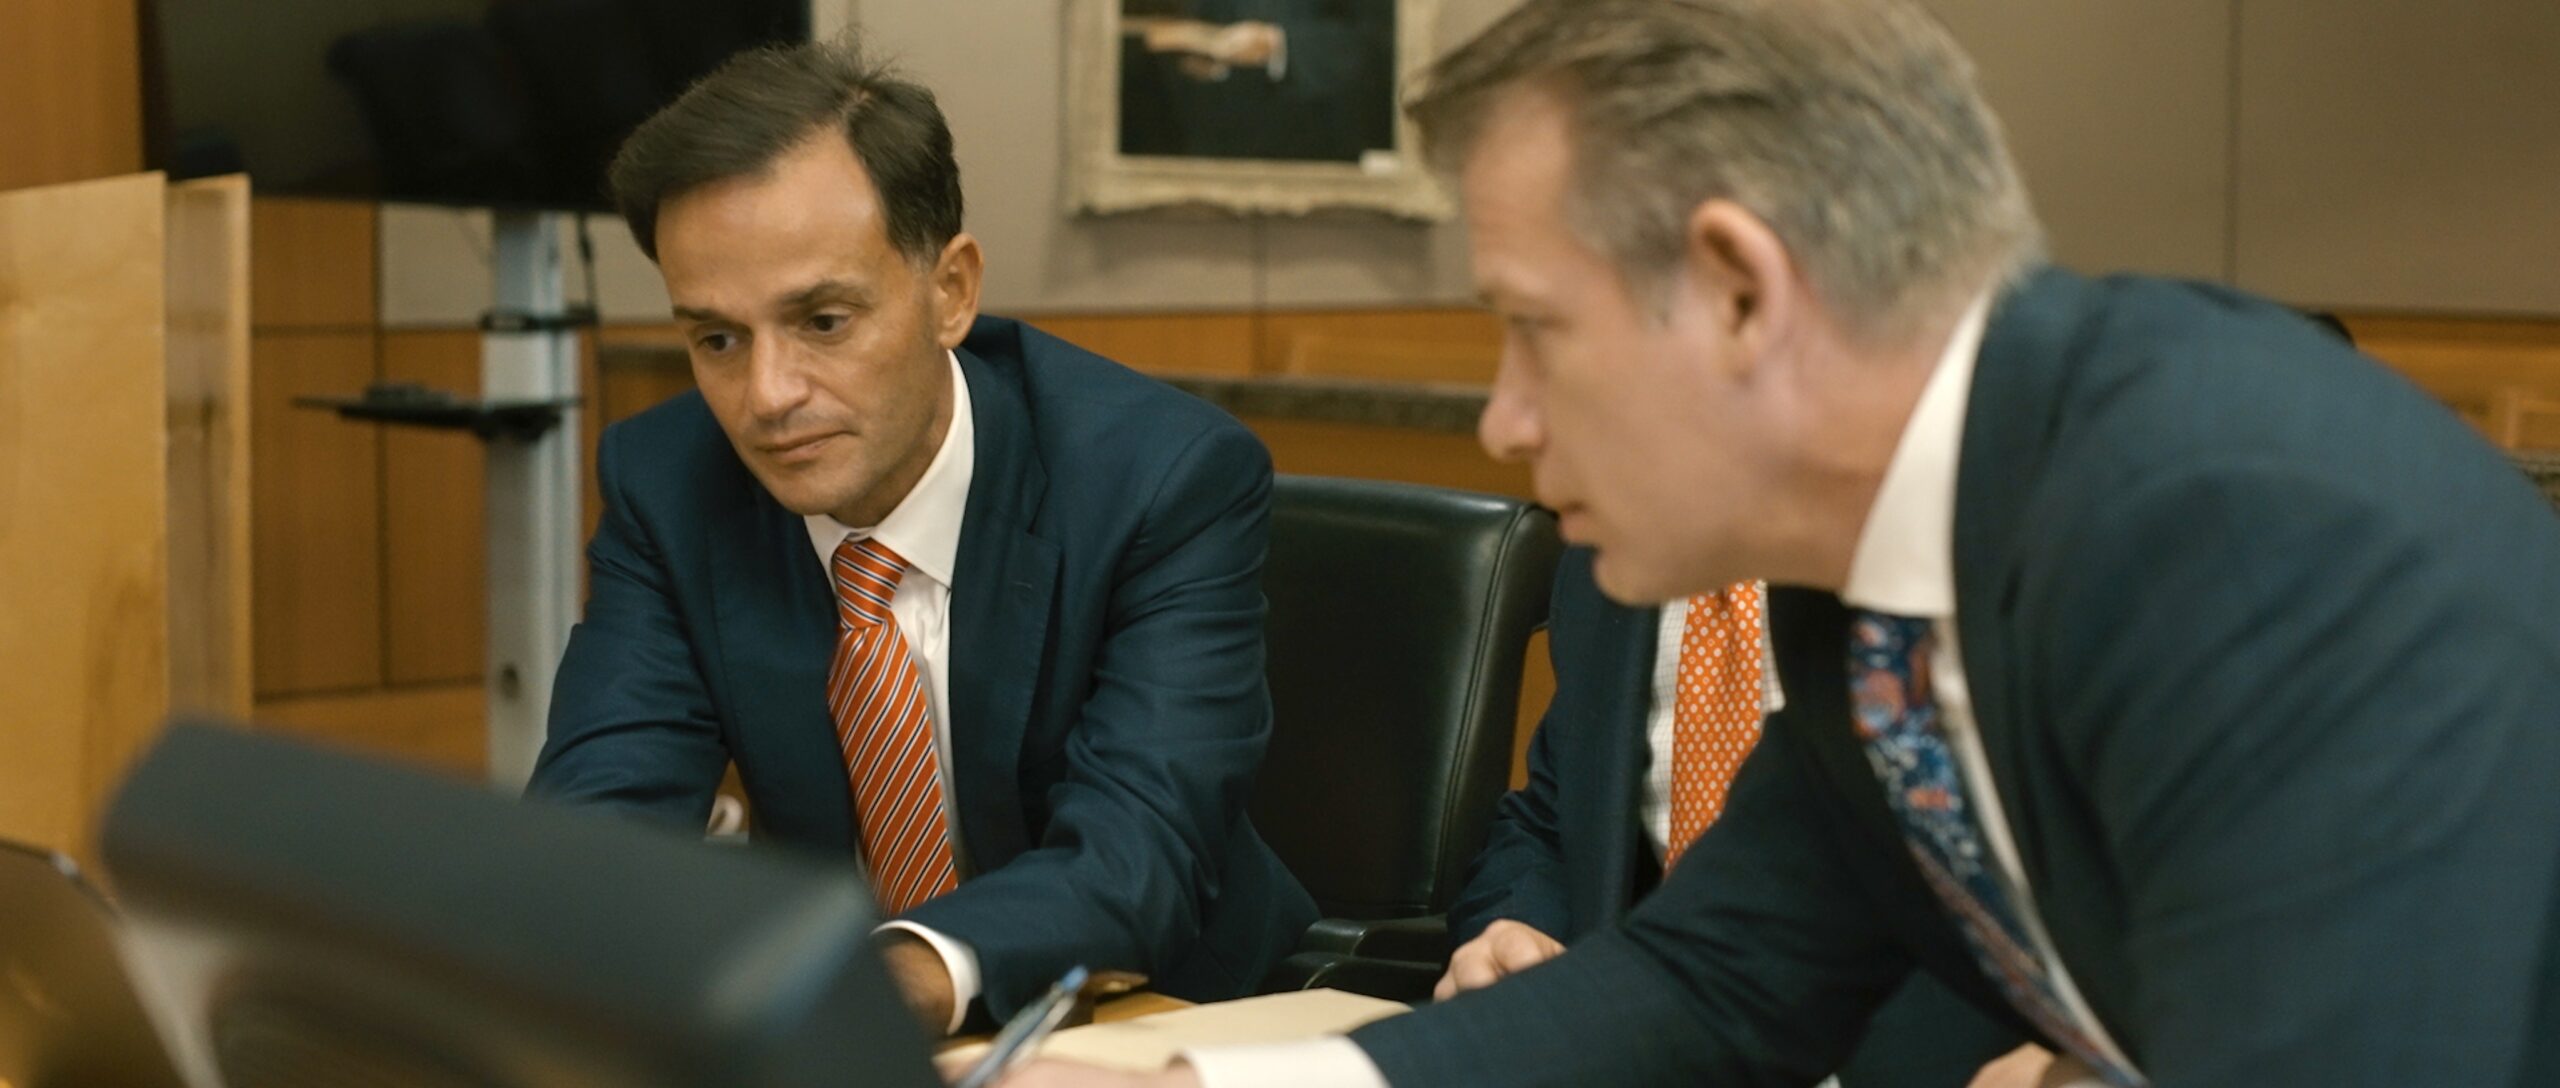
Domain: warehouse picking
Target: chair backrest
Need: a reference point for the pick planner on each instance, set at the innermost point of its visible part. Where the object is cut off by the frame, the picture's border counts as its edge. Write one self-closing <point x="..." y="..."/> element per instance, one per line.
<point x="2545" y="470"/>
<point x="1400" y="618"/>
<point x="2520" y="417"/>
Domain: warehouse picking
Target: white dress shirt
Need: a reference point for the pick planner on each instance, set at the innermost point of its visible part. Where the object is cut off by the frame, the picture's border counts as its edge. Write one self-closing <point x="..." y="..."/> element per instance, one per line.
<point x="924" y="530"/>
<point x="1904" y="564"/>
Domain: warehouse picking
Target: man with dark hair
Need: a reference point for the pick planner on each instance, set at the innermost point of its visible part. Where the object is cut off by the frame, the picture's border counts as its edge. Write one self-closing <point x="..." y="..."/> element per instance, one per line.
<point x="2158" y="671"/>
<point x="959" y="601"/>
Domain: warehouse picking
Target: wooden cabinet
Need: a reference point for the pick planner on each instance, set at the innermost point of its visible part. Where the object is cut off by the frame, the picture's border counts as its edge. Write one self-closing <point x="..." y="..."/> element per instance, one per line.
<point x="120" y="456"/>
<point x="317" y="511"/>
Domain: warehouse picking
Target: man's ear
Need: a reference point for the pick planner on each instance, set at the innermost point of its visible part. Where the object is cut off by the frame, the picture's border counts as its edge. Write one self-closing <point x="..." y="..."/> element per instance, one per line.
<point x="954" y="283"/>
<point x="1743" y="270"/>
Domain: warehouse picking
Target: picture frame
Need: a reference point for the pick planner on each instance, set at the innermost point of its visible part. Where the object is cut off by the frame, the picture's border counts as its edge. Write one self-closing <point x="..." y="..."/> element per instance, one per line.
<point x="1255" y="107"/>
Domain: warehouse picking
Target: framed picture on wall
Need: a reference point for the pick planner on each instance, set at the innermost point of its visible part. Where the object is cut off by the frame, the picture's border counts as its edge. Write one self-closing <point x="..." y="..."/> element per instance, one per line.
<point x="1255" y="106"/>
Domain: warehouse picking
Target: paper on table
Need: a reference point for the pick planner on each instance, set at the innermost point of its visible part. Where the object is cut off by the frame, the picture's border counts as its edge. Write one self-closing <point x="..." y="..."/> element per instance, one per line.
<point x="1150" y="1043"/>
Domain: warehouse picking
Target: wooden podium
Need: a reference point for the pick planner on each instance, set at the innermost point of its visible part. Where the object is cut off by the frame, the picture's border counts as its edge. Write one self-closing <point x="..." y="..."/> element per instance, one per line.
<point x="124" y="501"/>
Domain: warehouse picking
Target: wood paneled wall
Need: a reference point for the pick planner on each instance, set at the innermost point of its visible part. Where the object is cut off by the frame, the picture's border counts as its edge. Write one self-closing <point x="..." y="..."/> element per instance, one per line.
<point x="1427" y="344"/>
<point x="1448" y="344"/>
<point x="71" y="83"/>
<point x="368" y="601"/>
<point x="1225" y="344"/>
<point x="316" y="481"/>
<point x="2504" y="376"/>
<point x="435" y="556"/>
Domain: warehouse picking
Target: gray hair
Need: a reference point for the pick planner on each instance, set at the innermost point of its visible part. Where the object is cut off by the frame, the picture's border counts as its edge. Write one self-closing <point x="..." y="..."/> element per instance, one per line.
<point x="1852" y="127"/>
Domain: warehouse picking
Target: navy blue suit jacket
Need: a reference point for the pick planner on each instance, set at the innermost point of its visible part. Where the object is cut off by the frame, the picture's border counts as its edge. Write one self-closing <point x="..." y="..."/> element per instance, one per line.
<point x="2264" y="648"/>
<point x="1107" y="704"/>
<point x="1568" y="853"/>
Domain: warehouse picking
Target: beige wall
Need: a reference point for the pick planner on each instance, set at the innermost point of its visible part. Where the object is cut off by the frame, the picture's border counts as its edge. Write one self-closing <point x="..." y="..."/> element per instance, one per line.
<point x="2120" y="115"/>
<point x="2373" y="154"/>
<point x="2401" y="155"/>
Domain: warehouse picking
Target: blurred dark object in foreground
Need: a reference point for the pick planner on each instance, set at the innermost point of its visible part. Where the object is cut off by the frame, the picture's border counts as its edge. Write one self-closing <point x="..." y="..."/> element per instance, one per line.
<point x="311" y="919"/>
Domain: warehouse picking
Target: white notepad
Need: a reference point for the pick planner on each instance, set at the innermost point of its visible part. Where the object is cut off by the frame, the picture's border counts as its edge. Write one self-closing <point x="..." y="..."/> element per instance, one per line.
<point x="1150" y="1043"/>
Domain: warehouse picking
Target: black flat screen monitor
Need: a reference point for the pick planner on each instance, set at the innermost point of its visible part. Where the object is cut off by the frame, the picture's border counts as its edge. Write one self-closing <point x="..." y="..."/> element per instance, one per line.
<point x="304" y="919"/>
<point x="505" y="103"/>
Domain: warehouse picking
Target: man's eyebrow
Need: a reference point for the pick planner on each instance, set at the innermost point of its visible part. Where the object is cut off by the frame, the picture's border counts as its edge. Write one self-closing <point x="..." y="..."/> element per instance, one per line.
<point x="822" y="290"/>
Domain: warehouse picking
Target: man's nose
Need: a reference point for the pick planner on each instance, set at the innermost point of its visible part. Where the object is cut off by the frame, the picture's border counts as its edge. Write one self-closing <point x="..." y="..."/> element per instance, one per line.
<point x="777" y="382"/>
<point x="1511" y="429"/>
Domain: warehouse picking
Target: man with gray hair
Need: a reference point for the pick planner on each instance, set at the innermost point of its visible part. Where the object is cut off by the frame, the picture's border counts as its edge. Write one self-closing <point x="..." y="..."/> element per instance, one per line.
<point x="2136" y="687"/>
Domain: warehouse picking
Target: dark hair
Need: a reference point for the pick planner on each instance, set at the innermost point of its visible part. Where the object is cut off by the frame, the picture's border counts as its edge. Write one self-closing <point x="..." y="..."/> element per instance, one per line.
<point x="736" y="121"/>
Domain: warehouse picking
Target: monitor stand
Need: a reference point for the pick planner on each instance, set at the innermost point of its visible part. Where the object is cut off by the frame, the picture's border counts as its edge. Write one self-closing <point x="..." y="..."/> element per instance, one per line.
<point x="529" y="354"/>
<point x="528" y="422"/>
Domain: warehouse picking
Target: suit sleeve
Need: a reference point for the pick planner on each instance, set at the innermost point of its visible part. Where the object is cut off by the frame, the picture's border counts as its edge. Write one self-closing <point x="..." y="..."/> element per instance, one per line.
<point x="1520" y="873"/>
<point x="1755" y="964"/>
<point x="1162" y="753"/>
<point x="2318" y="744"/>
<point x="631" y="724"/>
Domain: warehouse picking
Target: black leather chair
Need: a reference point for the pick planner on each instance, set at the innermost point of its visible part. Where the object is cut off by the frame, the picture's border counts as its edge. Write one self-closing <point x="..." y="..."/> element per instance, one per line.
<point x="1400" y="619"/>
<point x="2544" y="467"/>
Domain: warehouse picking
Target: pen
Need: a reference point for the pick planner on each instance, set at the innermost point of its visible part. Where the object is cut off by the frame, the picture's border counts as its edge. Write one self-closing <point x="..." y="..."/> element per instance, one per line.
<point x="1022" y="1034"/>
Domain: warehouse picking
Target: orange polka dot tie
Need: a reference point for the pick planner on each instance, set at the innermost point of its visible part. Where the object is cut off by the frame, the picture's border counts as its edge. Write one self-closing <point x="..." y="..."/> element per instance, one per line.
<point x="1716" y="709"/>
<point x="884" y="724"/>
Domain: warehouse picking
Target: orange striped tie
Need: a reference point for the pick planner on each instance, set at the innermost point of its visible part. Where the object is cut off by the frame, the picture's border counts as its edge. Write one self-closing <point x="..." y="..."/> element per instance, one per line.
<point x="884" y="726"/>
<point x="1716" y="714"/>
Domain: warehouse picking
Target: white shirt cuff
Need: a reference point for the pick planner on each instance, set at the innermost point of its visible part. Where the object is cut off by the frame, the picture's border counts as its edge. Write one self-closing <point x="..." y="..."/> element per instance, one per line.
<point x="957" y="958"/>
<point x="1329" y="1062"/>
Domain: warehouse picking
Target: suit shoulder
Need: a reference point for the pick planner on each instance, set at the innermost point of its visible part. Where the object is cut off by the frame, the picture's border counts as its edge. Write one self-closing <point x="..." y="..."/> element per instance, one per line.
<point x="2201" y="392"/>
<point x="674" y="446"/>
<point x="2167" y="376"/>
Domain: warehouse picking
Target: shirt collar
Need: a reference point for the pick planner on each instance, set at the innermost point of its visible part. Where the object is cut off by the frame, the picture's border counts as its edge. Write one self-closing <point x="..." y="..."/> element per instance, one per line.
<point x="1905" y="561"/>
<point x="924" y="529"/>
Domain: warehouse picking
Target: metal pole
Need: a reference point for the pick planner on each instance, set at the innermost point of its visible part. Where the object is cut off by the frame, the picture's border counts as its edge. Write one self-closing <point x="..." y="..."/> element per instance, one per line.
<point x="533" y="496"/>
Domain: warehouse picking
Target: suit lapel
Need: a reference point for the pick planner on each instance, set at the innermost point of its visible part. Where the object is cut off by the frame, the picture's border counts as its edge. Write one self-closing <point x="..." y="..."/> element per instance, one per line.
<point x="2009" y="424"/>
<point x="1004" y="588"/>
<point x="775" y="617"/>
